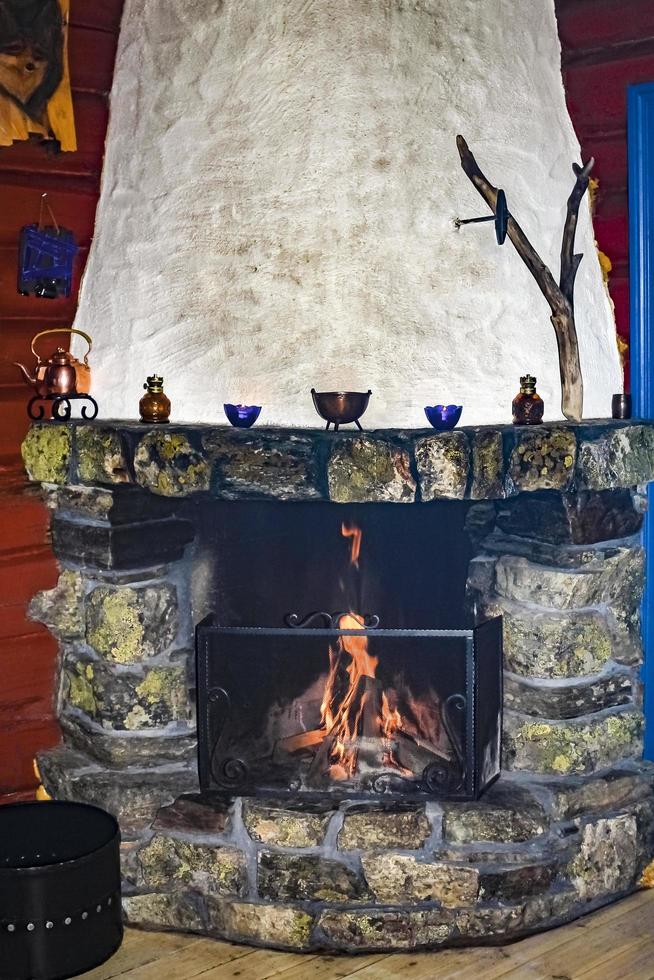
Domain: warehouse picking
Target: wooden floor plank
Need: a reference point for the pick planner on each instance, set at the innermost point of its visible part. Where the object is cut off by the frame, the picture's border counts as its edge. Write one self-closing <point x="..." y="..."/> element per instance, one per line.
<point x="327" y="967"/>
<point x="138" y="949"/>
<point x="199" y="958"/>
<point x="635" y="962"/>
<point x="259" y="965"/>
<point x="615" y="943"/>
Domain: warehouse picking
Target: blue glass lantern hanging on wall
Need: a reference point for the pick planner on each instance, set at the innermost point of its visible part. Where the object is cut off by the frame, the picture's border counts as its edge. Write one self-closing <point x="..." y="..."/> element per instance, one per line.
<point x="45" y="258"/>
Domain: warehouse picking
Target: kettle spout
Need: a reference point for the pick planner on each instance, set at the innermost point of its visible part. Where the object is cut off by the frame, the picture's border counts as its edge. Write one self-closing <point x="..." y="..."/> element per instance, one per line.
<point x="30" y="380"/>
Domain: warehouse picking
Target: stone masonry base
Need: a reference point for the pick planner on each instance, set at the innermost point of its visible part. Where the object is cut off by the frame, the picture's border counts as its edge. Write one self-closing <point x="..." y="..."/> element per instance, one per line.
<point x="533" y="853"/>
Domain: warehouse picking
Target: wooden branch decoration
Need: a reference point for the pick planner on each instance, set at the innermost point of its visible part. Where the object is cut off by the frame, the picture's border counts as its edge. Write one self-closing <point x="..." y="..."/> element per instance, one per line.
<point x="559" y="297"/>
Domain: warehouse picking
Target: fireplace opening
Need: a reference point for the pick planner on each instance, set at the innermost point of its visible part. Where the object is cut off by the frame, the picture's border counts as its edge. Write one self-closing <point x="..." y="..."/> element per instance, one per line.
<point x="339" y="656"/>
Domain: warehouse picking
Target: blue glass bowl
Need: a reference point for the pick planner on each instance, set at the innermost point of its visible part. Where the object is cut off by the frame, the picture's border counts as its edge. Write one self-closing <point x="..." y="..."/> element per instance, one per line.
<point x="242" y="416"/>
<point x="443" y="417"/>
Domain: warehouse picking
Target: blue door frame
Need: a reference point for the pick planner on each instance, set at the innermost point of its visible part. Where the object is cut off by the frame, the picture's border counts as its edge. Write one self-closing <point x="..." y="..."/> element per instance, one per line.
<point x="640" y="137"/>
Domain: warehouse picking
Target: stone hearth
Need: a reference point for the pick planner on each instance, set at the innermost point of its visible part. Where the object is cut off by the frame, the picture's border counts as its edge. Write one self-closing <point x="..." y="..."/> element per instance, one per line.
<point x="570" y="823"/>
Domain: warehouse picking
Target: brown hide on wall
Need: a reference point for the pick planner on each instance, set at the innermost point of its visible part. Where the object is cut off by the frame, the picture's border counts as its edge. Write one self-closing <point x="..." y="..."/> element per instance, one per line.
<point x="607" y="45"/>
<point x="72" y="180"/>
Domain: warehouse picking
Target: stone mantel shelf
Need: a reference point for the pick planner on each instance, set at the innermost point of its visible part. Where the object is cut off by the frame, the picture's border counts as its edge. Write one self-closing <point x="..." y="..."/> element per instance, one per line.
<point x="381" y="465"/>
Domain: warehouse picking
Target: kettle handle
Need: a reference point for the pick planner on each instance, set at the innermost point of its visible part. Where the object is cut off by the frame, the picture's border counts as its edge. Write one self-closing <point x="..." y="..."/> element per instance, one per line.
<point x="62" y="330"/>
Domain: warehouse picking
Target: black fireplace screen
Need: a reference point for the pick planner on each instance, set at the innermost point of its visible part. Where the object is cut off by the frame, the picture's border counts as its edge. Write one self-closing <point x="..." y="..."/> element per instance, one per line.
<point x="353" y="710"/>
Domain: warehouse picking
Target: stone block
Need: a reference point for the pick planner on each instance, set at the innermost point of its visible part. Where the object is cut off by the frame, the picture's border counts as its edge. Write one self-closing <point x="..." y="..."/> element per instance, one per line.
<point x="127" y="701"/>
<point x="367" y="828"/>
<point x="264" y="464"/>
<point x="622" y="457"/>
<point x="372" y="929"/>
<point x="166" y="463"/>
<point x="132" y="795"/>
<point x="487" y="465"/>
<point x="117" y="750"/>
<point x="307" y="877"/>
<point x="62" y="609"/>
<point x="607" y="860"/>
<point x="119" y="504"/>
<point x="167" y="862"/>
<point x="179" y="911"/>
<point x="553" y="644"/>
<point x="496" y="920"/>
<point x="129" y="868"/>
<point x="122" y="546"/>
<point x="101" y="456"/>
<point x="614" y="578"/>
<point x="191" y="814"/>
<point x="364" y="469"/>
<point x="571" y="518"/>
<point x="542" y="459"/>
<point x="571" y="747"/>
<point x="506" y="813"/>
<point x="126" y="624"/>
<point x="271" y="925"/>
<point x="605" y="791"/>
<point x="515" y="883"/>
<point x="396" y="879"/>
<point x="556" y="700"/>
<point x="46" y="452"/>
<point x="285" y="825"/>
<point x="443" y="463"/>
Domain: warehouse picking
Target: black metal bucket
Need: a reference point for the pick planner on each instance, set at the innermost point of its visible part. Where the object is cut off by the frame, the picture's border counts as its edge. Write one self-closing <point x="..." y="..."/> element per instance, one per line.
<point x="60" y="911"/>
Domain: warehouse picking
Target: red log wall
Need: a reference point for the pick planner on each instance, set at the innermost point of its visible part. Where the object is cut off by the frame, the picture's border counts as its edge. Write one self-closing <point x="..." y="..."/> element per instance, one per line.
<point x="607" y="45"/>
<point x="72" y="180"/>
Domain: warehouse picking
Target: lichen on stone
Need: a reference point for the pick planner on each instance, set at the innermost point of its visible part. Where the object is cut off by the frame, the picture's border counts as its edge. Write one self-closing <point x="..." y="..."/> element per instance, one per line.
<point x="80" y="688"/>
<point x="62" y="609"/>
<point x="368" y="829"/>
<point x="362" y="469"/>
<point x="46" y="452"/>
<point x="607" y="858"/>
<point x="571" y="747"/>
<point x="487" y="465"/>
<point x="100" y="455"/>
<point x="443" y="463"/>
<point x="399" y="878"/>
<point x="213" y="869"/>
<point x="543" y="460"/>
<point x="284" y="826"/>
<point x="166" y="463"/>
<point x="127" y="624"/>
<point x="276" y="925"/>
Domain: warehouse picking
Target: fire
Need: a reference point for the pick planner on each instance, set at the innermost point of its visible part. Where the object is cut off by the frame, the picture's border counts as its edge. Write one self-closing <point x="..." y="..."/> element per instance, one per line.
<point x="367" y="726"/>
<point x="353" y="532"/>
<point x="363" y="710"/>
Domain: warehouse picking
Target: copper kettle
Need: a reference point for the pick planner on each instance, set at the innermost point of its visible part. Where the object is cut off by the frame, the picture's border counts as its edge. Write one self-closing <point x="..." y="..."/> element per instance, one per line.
<point x="62" y="374"/>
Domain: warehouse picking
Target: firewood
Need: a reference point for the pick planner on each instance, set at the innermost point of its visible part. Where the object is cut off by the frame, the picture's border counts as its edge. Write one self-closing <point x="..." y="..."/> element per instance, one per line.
<point x="559" y="296"/>
<point x="303" y="740"/>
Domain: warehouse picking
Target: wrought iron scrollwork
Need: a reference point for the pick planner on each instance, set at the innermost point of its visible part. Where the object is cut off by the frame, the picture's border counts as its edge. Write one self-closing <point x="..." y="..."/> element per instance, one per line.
<point x="455" y="705"/>
<point x="331" y="621"/>
<point x="228" y="771"/>
<point x="59" y="407"/>
<point x="234" y="773"/>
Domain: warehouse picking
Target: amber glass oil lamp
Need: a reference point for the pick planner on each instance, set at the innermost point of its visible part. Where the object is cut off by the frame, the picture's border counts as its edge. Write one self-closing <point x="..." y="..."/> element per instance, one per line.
<point x="154" y="406"/>
<point x="528" y="406"/>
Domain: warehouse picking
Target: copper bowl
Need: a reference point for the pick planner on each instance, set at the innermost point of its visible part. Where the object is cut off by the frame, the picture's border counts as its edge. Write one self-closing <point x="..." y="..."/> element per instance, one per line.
<point x="340" y="407"/>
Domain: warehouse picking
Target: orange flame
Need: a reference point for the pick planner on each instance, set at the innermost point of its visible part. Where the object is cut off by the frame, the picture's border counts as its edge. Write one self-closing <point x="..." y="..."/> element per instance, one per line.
<point x="354" y="532"/>
<point x="356" y="711"/>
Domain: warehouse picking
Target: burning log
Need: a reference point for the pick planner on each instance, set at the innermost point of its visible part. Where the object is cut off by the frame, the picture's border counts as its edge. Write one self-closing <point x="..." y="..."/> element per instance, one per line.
<point x="559" y="297"/>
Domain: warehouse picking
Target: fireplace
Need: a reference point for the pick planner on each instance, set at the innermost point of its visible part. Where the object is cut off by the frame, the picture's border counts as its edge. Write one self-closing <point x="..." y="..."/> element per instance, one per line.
<point x="408" y="547"/>
<point x="342" y="659"/>
<point x="349" y="711"/>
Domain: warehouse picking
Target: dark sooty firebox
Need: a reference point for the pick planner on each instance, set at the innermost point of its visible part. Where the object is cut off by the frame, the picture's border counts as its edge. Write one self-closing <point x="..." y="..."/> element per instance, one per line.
<point x="349" y="711"/>
<point x="372" y="700"/>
